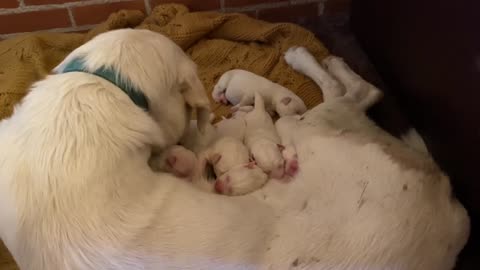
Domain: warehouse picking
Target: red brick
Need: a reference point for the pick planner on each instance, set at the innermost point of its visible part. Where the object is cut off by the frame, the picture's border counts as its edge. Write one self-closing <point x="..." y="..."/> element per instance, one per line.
<point x="337" y="6"/>
<point x="34" y="21"/>
<point x="193" y="5"/>
<point x="8" y="3"/>
<point x="289" y="13"/>
<point x="46" y="2"/>
<point x="243" y="3"/>
<point x="93" y="14"/>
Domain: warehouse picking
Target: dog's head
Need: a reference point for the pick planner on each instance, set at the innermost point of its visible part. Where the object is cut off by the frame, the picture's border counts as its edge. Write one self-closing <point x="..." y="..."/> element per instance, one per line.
<point x="157" y="70"/>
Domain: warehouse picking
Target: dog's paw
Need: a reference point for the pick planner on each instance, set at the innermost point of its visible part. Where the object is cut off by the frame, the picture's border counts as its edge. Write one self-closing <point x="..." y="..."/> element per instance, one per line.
<point x="333" y="62"/>
<point x="298" y="58"/>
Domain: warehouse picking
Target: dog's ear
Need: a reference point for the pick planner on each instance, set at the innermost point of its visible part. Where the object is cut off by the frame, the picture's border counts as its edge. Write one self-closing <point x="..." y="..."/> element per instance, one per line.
<point x="195" y="96"/>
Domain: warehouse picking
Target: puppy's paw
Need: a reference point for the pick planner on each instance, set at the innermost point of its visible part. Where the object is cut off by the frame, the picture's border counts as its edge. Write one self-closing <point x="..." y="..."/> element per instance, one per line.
<point x="298" y="58"/>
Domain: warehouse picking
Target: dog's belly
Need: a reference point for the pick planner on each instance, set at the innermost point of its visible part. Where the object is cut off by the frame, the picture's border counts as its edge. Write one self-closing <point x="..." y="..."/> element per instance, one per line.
<point x="352" y="207"/>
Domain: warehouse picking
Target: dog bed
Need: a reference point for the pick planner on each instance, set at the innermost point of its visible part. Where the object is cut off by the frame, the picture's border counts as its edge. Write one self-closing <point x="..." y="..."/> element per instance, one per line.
<point x="217" y="42"/>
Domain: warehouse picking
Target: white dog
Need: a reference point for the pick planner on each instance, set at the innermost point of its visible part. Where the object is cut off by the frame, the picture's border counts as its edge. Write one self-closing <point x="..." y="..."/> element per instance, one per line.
<point x="238" y="87"/>
<point x="76" y="191"/>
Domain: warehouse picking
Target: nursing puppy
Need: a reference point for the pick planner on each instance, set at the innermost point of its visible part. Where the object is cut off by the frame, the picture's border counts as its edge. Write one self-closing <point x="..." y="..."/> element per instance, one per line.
<point x="263" y="141"/>
<point x="241" y="179"/>
<point x="232" y="127"/>
<point x="227" y="155"/>
<point x="238" y="87"/>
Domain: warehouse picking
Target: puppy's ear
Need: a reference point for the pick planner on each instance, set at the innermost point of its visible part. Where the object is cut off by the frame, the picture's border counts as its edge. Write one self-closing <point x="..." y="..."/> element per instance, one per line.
<point x="215" y="158"/>
<point x="195" y="96"/>
<point x="286" y="100"/>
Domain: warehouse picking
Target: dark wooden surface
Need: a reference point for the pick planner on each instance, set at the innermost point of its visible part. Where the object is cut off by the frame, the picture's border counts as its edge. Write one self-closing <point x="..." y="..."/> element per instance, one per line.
<point x="428" y="53"/>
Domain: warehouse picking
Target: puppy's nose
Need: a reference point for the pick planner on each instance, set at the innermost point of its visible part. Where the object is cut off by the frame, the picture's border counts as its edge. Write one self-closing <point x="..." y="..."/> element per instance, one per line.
<point x="219" y="187"/>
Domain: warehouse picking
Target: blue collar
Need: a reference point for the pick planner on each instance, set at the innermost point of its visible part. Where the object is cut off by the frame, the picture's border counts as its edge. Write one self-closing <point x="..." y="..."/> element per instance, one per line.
<point x="109" y="74"/>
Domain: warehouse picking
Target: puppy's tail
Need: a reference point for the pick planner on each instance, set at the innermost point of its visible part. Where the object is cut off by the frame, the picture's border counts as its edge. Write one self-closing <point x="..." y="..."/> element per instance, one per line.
<point x="259" y="103"/>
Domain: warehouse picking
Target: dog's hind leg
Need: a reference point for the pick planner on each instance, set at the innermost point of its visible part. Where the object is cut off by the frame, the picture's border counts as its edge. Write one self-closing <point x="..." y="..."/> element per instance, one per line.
<point x="302" y="61"/>
<point x="363" y="93"/>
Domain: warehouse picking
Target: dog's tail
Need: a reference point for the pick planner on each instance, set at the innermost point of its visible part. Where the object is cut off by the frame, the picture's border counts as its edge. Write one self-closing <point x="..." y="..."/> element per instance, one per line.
<point x="415" y="141"/>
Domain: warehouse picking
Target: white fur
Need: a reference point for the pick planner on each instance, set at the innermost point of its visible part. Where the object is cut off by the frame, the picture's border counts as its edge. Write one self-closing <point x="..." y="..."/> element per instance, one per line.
<point x="226" y="153"/>
<point x="241" y="179"/>
<point x="76" y="192"/>
<point x="239" y="86"/>
<point x="232" y="127"/>
<point x="263" y="141"/>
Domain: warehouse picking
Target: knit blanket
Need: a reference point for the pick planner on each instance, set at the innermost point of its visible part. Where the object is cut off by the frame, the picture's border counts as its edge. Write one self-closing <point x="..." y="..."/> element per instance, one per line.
<point x="217" y="42"/>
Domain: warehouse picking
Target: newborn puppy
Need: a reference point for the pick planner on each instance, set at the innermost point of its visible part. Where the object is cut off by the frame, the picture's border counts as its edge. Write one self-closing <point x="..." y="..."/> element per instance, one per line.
<point x="175" y="159"/>
<point x="263" y="141"/>
<point x="238" y="87"/>
<point x="241" y="180"/>
<point x="232" y="127"/>
<point x="284" y="127"/>
<point x="226" y="153"/>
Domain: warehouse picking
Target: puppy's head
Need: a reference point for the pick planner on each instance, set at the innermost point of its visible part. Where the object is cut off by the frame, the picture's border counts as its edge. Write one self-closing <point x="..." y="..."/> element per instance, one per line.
<point x="269" y="158"/>
<point x="240" y="180"/>
<point x="153" y="65"/>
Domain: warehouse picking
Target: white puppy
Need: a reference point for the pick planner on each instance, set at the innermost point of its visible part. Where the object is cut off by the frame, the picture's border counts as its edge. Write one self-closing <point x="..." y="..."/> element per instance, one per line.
<point x="221" y="152"/>
<point x="226" y="153"/>
<point x="238" y="87"/>
<point x="263" y="141"/>
<point x="232" y="127"/>
<point x="241" y="179"/>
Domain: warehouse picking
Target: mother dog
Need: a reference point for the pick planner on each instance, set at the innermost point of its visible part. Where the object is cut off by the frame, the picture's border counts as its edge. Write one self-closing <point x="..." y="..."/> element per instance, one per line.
<point x="76" y="191"/>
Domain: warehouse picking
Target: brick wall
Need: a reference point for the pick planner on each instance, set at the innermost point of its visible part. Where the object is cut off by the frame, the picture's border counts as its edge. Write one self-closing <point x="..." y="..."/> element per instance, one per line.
<point x="18" y="16"/>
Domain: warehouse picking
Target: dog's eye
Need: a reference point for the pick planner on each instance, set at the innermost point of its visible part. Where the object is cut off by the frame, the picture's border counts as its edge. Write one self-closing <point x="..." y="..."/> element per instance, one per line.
<point x="210" y="172"/>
